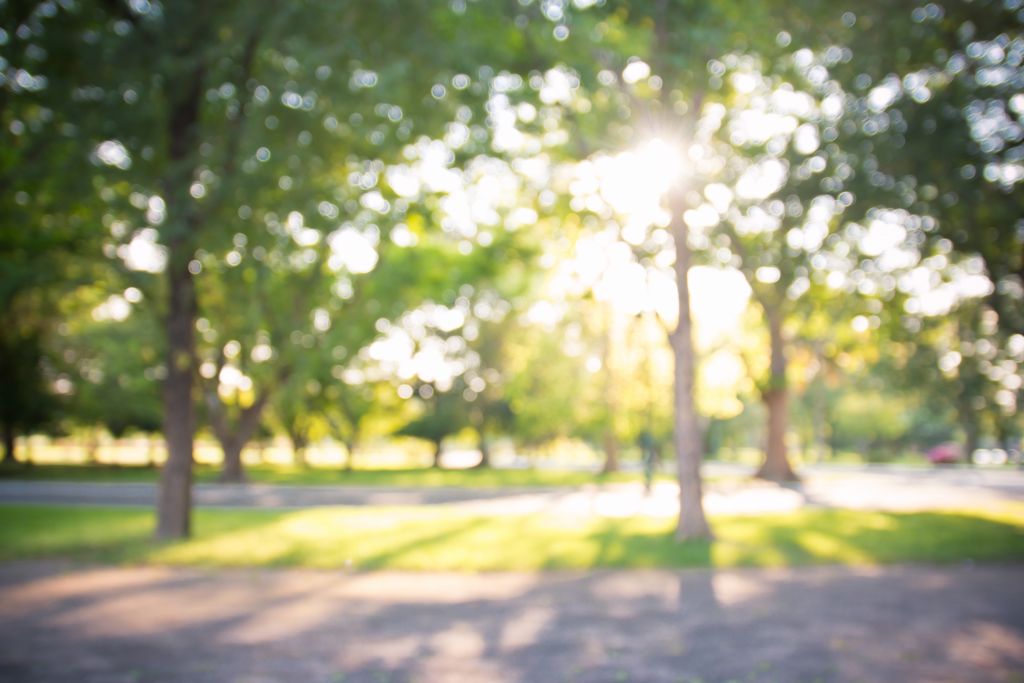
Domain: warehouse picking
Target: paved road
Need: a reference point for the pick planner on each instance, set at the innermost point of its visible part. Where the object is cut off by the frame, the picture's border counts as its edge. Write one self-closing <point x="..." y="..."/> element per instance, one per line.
<point x="857" y="488"/>
<point x="155" y="625"/>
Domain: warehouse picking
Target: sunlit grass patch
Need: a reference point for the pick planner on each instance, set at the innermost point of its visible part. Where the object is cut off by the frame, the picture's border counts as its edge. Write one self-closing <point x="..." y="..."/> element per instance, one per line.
<point x="442" y="538"/>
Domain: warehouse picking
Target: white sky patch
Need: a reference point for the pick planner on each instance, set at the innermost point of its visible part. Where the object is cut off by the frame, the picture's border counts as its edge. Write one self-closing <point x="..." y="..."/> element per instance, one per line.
<point x="115" y="308"/>
<point x="144" y="253"/>
<point x="558" y="87"/>
<point x="882" y="96"/>
<point x="636" y="71"/>
<point x="806" y="140"/>
<point x="113" y="153"/>
<point x="758" y="127"/>
<point x="543" y="313"/>
<point x="403" y="180"/>
<point x="410" y="351"/>
<point x="934" y="292"/>
<point x="882" y="236"/>
<point x="761" y="180"/>
<point x="352" y="250"/>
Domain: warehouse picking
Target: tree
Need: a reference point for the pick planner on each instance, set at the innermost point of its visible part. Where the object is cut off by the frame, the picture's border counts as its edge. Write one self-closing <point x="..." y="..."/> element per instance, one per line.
<point x="443" y="416"/>
<point x="666" y="95"/>
<point x="186" y="86"/>
<point x="48" y="220"/>
<point x="950" y="73"/>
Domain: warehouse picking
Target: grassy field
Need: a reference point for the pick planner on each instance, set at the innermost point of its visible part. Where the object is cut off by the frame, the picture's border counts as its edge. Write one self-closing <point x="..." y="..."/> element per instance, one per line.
<point x="439" y="538"/>
<point x="277" y="474"/>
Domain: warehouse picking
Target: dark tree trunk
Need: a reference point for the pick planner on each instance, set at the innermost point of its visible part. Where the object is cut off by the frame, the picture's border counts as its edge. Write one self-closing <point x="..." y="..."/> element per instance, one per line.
<point x="174" y="505"/>
<point x="350" y="449"/>
<point x="10" y="443"/>
<point x="233" y="440"/>
<point x="687" y="436"/>
<point x="232" y="471"/>
<point x="776" y="465"/>
<point x="973" y="438"/>
<point x="436" y="464"/>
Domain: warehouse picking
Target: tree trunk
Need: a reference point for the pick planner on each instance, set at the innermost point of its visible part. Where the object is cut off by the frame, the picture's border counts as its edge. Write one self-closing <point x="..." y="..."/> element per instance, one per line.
<point x="92" y="446"/>
<point x="437" y="456"/>
<point x="776" y="465"/>
<point x="973" y="437"/>
<point x="10" y="442"/>
<point x="232" y="441"/>
<point x="174" y="505"/>
<point x="687" y="438"/>
<point x="819" y="421"/>
<point x="232" y="472"/>
<point x="485" y="452"/>
<point x="611" y="453"/>
<point x="350" y="448"/>
<point x="610" y="443"/>
<point x="299" y="443"/>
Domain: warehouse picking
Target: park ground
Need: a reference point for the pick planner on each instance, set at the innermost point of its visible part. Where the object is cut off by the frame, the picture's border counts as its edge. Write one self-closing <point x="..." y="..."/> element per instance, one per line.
<point x="856" y="574"/>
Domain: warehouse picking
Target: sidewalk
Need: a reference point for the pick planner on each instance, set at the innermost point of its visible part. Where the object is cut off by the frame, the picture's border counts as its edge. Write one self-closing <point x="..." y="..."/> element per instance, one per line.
<point x="867" y="489"/>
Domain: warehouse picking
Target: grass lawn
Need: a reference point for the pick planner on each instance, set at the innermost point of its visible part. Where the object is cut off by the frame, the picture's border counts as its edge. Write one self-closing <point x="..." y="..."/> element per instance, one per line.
<point x="440" y="538"/>
<point x="272" y="474"/>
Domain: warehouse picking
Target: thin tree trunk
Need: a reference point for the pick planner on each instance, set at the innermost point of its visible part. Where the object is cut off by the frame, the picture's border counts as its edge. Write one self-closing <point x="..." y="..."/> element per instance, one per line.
<point x="437" y="456"/>
<point x="350" y="448"/>
<point x="10" y="443"/>
<point x="485" y="452"/>
<point x="776" y="465"/>
<point x="611" y="452"/>
<point x="819" y="420"/>
<point x="973" y="437"/>
<point x="92" y="446"/>
<point x="299" y="444"/>
<point x="688" y="442"/>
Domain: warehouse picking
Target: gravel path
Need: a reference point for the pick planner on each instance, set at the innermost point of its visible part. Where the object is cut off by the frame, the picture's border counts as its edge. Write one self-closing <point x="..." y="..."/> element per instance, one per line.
<point x="909" y="624"/>
<point x="861" y="488"/>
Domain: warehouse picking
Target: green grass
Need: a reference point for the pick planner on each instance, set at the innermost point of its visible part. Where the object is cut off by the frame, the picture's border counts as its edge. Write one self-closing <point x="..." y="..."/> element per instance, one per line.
<point x="441" y="538"/>
<point x="271" y="474"/>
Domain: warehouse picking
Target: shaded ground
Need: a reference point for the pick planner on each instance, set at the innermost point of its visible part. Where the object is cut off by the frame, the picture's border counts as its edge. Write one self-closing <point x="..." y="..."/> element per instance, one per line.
<point x="860" y="488"/>
<point x="830" y="624"/>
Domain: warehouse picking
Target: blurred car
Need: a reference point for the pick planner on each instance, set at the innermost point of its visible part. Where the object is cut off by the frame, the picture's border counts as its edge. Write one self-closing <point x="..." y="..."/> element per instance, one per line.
<point x="990" y="456"/>
<point x="945" y="454"/>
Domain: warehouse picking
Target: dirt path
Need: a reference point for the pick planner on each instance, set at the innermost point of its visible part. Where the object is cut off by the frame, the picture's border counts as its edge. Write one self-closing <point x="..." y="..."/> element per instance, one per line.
<point x="907" y="624"/>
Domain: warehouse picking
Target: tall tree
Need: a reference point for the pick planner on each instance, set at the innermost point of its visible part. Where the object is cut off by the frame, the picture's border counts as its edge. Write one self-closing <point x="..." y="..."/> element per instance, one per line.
<point x="193" y="80"/>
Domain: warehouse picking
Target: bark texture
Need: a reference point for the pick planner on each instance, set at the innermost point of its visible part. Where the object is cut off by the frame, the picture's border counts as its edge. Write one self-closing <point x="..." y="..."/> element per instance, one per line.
<point x="687" y="434"/>
<point x="174" y="503"/>
<point x="776" y="465"/>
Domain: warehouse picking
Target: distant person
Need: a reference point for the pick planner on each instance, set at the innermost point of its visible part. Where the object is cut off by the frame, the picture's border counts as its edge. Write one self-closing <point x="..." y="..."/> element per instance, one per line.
<point x="649" y="457"/>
